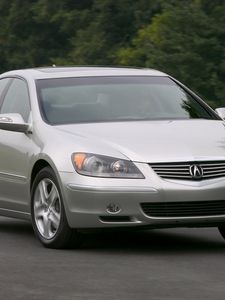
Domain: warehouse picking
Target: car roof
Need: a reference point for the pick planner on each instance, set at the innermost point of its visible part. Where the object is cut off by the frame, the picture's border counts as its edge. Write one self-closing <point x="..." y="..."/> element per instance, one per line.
<point x="59" y="72"/>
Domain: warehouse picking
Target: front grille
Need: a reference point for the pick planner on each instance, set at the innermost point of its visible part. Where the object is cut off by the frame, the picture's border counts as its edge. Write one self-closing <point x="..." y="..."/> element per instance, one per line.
<point x="209" y="170"/>
<point x="184" y="209"/>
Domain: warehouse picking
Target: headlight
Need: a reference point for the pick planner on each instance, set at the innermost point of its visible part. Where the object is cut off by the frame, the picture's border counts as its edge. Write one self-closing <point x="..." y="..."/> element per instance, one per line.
<point x="104" y="166"/>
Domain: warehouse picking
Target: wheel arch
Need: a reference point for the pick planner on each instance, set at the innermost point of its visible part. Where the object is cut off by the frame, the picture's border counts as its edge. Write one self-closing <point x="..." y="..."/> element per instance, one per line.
<point x="37" y="167"/>
<point x="44" y="159"/>
<point x="40" y="163"/>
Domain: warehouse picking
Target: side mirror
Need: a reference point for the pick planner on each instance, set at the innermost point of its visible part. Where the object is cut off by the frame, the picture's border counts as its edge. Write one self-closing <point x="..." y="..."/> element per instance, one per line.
<point x="14" y="122"/>
<point x="221" y="112"/>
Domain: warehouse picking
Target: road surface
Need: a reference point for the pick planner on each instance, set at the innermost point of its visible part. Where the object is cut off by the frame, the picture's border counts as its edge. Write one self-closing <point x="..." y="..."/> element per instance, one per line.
<point x="158" y="264"/>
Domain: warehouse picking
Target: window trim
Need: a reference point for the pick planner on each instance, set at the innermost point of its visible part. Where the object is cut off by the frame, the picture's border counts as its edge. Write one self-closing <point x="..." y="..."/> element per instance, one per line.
<point x="197" y="98"/>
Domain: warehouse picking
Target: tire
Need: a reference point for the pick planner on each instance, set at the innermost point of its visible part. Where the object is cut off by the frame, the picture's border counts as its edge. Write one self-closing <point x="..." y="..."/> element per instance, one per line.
<point x="47" y="211"/>
<point x="222" y="231"/>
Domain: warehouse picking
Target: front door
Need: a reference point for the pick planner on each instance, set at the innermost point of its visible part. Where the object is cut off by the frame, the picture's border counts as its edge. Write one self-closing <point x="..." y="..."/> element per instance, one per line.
<point x="14" y="151"/>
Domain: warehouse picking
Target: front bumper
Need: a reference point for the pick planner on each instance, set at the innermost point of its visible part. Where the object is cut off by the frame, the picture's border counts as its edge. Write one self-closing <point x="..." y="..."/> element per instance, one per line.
<point x="87" y="199"/>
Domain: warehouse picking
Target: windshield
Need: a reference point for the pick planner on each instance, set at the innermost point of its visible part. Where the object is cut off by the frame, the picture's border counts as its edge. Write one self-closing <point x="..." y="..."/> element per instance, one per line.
<point x="110" y="99"/>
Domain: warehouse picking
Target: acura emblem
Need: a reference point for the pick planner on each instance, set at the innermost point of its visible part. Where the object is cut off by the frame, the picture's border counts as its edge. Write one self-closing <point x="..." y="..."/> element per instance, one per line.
<point x="196" y="171"/>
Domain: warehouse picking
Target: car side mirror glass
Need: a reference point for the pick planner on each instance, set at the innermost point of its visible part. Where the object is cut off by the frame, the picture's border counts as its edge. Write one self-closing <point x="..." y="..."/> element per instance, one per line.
<point x="221" y="112"/>
<point x="14" y="122"/>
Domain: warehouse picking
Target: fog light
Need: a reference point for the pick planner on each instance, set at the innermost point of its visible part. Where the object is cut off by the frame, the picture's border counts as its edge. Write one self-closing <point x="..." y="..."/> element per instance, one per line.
<point x="113" y="208"/>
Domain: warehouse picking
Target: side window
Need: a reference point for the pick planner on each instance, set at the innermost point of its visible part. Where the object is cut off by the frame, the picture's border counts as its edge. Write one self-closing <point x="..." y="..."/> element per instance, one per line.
<point x="17" y="99"/>
<point x="3" y="84"/>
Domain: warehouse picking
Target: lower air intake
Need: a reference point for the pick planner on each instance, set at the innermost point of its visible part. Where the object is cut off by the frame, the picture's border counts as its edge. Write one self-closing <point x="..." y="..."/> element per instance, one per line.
<point x="184" y="209"/>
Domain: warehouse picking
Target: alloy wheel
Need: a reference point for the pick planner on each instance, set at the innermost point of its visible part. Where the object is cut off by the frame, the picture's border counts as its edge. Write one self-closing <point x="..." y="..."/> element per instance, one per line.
<point x="47" y="208"/>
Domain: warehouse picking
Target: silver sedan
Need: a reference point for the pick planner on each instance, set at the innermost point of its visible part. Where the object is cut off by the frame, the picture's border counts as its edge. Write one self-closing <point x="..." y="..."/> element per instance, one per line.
<point x="84" y="148"/>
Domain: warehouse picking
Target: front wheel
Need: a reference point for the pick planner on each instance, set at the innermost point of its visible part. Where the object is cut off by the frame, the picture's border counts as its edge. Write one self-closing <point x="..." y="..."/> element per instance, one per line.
<point x="48" y="213"/>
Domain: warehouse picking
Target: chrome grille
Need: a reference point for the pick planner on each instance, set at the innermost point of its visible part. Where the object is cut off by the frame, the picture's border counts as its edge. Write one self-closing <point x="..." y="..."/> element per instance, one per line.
<point x="210" y="170"/>
<point x="184" y="209"/>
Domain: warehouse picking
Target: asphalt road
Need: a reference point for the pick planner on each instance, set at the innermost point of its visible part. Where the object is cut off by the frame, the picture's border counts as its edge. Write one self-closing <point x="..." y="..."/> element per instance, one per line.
<point x="157" y="264"/>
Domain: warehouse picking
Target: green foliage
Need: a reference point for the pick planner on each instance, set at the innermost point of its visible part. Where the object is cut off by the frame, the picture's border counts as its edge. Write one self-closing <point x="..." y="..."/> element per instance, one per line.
<point x="187" y="42"/>
<point x="109" y="25"/>
<point x="184" y="38"/>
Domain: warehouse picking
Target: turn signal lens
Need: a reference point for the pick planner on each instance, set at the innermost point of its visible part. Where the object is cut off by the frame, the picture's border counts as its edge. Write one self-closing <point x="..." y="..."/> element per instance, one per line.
<point x="79" y="159"/>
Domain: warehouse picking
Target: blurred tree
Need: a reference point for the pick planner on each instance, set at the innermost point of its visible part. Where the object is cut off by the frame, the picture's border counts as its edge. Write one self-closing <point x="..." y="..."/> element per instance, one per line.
<point x="184" y="38"/>
<point x="37" y="31"/>
<point x="15" y="26"/>
<point x="111" y="25"/>
<point x="188" y="42"/>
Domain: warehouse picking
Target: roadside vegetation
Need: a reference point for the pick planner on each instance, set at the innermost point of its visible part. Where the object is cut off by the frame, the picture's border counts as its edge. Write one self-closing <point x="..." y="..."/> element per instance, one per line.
<point x="185" y="38"/>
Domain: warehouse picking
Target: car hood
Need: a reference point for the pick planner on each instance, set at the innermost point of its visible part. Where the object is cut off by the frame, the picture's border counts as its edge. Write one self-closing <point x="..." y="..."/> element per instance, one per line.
<point x="154" y="141"/>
